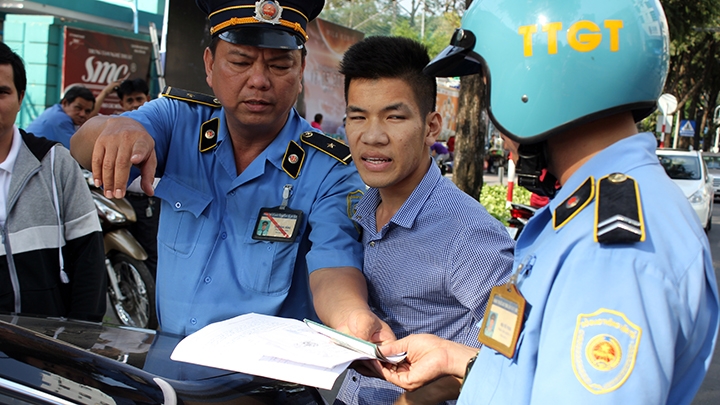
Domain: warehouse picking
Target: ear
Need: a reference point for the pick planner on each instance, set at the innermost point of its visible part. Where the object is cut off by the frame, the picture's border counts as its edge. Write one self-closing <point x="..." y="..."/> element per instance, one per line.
<point x="209" y="60"/>
<point x="433" y="125"/>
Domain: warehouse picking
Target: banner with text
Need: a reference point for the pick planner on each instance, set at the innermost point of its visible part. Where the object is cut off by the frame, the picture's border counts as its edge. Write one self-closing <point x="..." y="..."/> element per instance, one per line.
<point x="94" y="60"/>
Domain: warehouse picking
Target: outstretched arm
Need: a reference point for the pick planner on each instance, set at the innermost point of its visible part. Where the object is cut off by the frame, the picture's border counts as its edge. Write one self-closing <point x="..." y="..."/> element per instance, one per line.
<point x="112" y="86"/>
<point x="340" y="299"/>
<point x="109" y="146"/>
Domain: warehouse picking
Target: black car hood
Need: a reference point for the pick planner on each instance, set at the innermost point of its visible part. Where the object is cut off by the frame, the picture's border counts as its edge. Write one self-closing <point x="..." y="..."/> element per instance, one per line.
<point x="85" y="362"/>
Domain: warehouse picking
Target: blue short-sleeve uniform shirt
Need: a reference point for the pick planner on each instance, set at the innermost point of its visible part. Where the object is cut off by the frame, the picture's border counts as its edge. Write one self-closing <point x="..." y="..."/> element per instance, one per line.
<point x="53" y="124"/>
<point x="209" y="266"/>
<point x="630" y="323"/>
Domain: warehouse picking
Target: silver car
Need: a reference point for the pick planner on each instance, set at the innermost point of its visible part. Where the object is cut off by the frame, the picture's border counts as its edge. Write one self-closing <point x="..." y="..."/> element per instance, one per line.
<point x="688" y="170"/>
<point x="712" y="161"/>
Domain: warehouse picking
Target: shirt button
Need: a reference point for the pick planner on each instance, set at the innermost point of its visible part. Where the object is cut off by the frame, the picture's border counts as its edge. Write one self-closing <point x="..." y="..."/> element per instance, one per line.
<point x="193" y="321"/>
<point x="208" y="280"/>
<point x="232" y="192"/>
<point x="223" y="235"/>
<point x="178" y="204"/>
<point x="269" y="247"/>
<point x="372" y="244"/>
<point x="354" y="379"/>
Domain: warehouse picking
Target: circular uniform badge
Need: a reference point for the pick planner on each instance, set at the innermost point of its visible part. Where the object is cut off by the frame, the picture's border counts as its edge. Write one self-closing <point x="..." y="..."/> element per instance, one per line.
<point x="209" y="134"/>
<point x="293" y="158"/>
<point x="603" y="352"/>
<point x="268" y="11"/>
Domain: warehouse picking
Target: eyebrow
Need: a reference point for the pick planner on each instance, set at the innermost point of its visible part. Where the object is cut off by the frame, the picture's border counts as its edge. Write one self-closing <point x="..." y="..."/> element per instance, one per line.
<point x="5" y="88"/>
<point x="391" y="107"/>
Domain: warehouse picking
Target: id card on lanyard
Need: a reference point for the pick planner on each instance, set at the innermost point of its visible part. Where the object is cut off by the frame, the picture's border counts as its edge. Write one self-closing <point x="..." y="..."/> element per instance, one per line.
<point x="504" y="317"/>
<point x="278" y="224"/>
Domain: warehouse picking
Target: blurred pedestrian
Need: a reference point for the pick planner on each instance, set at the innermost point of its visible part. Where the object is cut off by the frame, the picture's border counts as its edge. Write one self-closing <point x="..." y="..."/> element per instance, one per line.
<point x="317" y="122"/>
<point x="60" y="121"/>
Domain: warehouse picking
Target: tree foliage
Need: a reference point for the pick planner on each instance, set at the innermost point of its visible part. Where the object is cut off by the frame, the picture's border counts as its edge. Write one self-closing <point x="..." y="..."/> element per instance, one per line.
<point x="694" y="76"/>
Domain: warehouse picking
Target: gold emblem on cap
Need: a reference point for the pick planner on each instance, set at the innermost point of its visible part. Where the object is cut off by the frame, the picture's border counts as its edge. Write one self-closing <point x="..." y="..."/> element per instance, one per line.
<point x="617" y="177"/>
<point x="268" y="11"/>
<point x="209" y="134"/>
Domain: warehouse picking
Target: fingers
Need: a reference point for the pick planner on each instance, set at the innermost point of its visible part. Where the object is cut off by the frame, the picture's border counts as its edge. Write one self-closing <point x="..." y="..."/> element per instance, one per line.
<point x="147" y="173"/>
<point x="114" y="153"/>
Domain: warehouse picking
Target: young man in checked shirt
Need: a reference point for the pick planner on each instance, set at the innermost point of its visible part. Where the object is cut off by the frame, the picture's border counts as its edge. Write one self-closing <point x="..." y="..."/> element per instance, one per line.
<point x="432" y="252"/>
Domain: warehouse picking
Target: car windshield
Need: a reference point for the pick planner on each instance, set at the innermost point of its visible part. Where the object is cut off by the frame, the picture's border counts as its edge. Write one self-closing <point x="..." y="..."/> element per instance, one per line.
<point x="713" y="162"/>
<point x="681" y="167"/>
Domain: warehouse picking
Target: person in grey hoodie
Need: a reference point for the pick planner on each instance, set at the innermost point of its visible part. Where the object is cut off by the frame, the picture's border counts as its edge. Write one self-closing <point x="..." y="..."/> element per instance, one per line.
<point x="51" y="255"/>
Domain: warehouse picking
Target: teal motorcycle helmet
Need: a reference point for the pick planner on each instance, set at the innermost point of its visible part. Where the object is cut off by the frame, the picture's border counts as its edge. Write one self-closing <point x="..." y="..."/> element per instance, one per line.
<point x="551" y="65"/>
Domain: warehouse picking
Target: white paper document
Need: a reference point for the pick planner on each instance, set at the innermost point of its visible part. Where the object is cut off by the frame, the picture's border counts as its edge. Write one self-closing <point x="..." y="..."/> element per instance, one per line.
<point x="280" y="348"/>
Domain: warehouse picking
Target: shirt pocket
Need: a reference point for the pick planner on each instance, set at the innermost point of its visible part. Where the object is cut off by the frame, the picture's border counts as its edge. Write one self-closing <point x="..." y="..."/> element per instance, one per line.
<point x="270" y="265"/>
<point x="181" y="228"/>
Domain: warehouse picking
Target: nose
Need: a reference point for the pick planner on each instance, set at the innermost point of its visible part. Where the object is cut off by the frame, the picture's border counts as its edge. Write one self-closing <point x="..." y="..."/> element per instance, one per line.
<point x="259" y="77"/>
<point x="374" y="133"/>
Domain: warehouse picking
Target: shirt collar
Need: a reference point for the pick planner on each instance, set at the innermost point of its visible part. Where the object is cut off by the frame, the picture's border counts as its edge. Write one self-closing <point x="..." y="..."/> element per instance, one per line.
<point x="275" y="152"/>
<point x="636" y="150"/>
<point x="408" y="212"/>
<point x="9" y="162"/>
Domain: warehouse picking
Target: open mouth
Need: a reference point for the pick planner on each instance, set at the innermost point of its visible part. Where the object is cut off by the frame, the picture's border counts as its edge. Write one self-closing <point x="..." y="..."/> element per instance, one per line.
<point x="376" y="161"/>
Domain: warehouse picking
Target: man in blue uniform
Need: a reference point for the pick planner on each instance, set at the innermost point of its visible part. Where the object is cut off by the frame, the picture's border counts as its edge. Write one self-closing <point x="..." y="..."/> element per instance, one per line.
<point x="229" y="162"/>
<point x="612" y="300"/>
<point x="60" y="121"/>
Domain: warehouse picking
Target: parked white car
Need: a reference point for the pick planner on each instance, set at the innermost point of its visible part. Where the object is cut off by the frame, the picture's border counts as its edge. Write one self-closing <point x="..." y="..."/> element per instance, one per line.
<point x="688" y="170"/>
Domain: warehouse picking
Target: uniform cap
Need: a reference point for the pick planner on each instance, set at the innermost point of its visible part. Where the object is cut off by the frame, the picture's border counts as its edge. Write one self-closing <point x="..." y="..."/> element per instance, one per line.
<point x="277" y="24"/>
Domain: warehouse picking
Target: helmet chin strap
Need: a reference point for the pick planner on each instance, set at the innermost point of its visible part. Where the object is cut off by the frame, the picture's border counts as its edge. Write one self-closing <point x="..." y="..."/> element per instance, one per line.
<point x="532" y="160"/>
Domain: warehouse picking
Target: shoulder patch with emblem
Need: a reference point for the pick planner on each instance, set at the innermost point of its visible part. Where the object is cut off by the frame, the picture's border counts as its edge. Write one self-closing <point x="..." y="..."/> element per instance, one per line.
<point x="293" y="159"/>
<point x="579" y="199"/>
<point x="190" y="96"/>
<point x="328" y="145"/>
<point x="604" y="350"/>
<point x="618" y="212"/>
<point x="208" y="134"/>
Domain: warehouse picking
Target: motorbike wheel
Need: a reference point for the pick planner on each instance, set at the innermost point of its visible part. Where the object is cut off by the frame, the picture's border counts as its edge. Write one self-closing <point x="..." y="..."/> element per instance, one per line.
<point x="137" y="285"/>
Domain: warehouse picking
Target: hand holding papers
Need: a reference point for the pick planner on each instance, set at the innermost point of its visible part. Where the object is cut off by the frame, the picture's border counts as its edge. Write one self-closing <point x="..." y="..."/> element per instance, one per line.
<point x="279" y="348"/>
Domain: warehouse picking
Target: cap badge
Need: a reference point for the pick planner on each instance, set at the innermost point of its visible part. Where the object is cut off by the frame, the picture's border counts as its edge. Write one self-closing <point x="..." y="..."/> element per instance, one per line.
<point x="209" y="134"/>
<point x="293" y="158"/>
<point x="268" y="11"/>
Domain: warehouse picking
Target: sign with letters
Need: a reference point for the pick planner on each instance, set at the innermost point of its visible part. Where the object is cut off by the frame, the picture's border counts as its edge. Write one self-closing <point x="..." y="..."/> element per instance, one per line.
<point x="94" y="60"/>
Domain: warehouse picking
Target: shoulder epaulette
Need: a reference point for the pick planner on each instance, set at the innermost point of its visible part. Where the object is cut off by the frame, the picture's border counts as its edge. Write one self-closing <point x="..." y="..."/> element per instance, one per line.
<point x="618" y="211"/>
<point x="190" y="96"/>
<point x="579" y="199"/>
<point x="326" y="144"/>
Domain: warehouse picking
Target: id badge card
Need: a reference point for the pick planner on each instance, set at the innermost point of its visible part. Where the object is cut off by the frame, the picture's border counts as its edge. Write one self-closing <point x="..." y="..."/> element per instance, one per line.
<point x="277" y="224"/>
<point x="503" y="319"/>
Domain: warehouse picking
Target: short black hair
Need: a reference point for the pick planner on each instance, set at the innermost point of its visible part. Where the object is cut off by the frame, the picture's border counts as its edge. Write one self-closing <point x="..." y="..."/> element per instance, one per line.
<point x="8" y="57"/>
<point x="382" y="57"/>
<point x="130" y="86"/>
<point x="318" y="117"/>
<point x="78" y="91"/>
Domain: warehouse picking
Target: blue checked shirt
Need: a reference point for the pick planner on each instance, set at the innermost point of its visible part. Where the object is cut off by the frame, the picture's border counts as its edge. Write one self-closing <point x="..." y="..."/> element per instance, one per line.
<point x="429" y="270"/>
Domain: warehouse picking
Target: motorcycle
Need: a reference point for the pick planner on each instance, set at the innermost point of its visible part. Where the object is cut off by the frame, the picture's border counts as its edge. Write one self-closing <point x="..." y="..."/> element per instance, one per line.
<point x="520" y="214"/>
<point x="131" y="286"/>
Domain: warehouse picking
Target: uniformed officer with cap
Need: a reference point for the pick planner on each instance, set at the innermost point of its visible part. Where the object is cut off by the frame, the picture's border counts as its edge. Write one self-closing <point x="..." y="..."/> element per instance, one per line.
<point x="232" y="162"/>
<point x="612" y="300"/>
